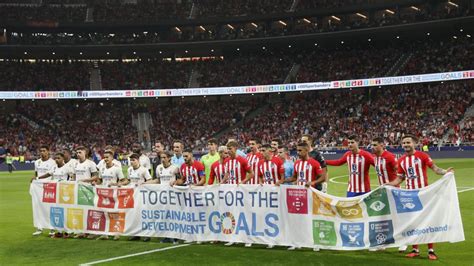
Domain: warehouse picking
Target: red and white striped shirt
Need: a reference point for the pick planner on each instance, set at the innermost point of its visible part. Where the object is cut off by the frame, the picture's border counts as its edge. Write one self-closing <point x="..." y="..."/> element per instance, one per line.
<point x="385" y="166"/>
<point x="307" y="171"/>
<point x="270" y="171"/>
<point x="192" y="173"/>
<point x="413" y="167"/>
<point x="253" y="160"/>
<point x="358" y="165"/>
<point x="217" y="172"/>
<point x="236" y="168"/>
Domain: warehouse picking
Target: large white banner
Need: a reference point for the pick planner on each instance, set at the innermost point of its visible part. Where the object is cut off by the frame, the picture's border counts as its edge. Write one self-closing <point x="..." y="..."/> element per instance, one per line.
<point x="285" y="215"/>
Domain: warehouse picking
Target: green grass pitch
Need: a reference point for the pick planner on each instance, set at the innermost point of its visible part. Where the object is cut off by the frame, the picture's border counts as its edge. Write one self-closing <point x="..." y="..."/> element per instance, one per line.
<point x="18" y="246"/>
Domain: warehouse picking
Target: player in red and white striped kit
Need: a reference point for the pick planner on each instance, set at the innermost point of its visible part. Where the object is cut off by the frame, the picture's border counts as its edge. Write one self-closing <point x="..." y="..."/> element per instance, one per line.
<point x="237" y="171"/>
<point x="412" y="168"/>
<point x="385" y="162"/>
<point x="218" y="168"/>
<point x="308" y="171"/>
<point x="192" y="171"/>
<point x="358" y="162"/>
<point x="253" y="158"/>
<point x="270" y="170"/>
<point x="237" y="168"/>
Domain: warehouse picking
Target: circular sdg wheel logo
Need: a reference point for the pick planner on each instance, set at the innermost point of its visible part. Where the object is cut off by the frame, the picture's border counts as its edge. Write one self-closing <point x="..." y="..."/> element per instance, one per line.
<point x="228" y="223"/>
<point x="380" y="238"/>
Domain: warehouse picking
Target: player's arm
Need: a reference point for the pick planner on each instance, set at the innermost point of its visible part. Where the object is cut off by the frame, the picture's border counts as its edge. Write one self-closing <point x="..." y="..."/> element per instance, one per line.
<point x="211" y="177"/>
<point x="337" y="162"/>
<point x="400" y="176"/>
<point x="440" y="171"/>
<point x="202" y="177"/>
<point x="319" y="179"/>
<point x="41" y="177"/>
<point x="294" y="177"/>
<point x="249" y="176"/>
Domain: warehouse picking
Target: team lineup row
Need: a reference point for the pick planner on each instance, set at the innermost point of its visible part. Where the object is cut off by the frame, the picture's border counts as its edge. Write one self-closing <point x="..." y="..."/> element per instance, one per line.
<point x="268" y="164"/>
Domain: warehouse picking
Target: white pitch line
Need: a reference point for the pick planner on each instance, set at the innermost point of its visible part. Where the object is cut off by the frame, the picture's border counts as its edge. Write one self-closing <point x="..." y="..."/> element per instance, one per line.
<point x="135" y="254"/>
<point x="464" y="190"/>
<point x="337" y="182"/>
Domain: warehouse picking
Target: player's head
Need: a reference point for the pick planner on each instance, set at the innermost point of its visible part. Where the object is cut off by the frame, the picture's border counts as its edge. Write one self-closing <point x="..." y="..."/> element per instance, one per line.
<point x="135" y="160"/>
<point x="409" y="142"/>
<point x="67" y="154"/>
<point x="377" y="145"/>
<point x="109" y="148"/>
<point x="44" y="152"/>
<point x="109" y="157"/>
<point x="59" y="158"/>
<point x="267" y="152"/>
<point x="308" y="139"/>
<point x="188" y="156"/>
<point x="303" y="149"/>
<point x="254" y="145"/>
<point x="137" y="148"/>
<point x="212" y="145"/>
<point x="178" y="147"/>
<point x="223" y="152"/>
<point x="232" y="146"/>
<point x="275" y="143"/>
<point x="165" y="157"/>
<point x="261" y="149"/>
<point x="283" y="152"/>
<point x="81" y="152"/>
<point x="353" y="143"/>
<point x="158" y="147"/>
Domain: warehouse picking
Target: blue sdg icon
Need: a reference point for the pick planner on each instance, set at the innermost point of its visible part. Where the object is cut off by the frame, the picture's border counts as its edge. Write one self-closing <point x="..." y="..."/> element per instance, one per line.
<point x="381" y="233"/>
<point x="352" y="234"/>
<point x="407" y="201"/>
<point x="57" y="217"/>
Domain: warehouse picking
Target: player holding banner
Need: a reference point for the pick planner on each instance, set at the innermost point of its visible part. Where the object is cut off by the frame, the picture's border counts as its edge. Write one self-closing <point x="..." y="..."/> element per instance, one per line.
<point x="270" y="170"/>
<point x="358" y="162"/>
<point x="308" y="172"/>
<point x="217" y="173"/>
<point x="253" y="158"/>
<point x="237" y="171"/>
<point x="43" y="166"/>
<point x="192" y="171"/>
<point x="412" y="168"/>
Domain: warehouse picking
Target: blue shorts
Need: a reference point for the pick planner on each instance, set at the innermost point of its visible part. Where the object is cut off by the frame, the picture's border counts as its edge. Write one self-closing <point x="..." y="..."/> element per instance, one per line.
<point x="355" y="194"/>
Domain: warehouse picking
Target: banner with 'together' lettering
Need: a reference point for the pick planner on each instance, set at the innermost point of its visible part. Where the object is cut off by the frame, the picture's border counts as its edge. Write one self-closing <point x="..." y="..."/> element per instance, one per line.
<point x="285" y="215"/>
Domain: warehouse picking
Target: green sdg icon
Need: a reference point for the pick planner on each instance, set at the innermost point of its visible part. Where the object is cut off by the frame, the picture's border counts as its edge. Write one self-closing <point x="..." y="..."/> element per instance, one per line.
<point x="324" y="233"/>
<point x="377" y="203"/>
<point x="85" y="195"/>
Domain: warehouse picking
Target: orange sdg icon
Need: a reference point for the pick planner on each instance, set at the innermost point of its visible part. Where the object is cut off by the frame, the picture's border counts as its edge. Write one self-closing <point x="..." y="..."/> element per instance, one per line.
<point x="116" y="222"/>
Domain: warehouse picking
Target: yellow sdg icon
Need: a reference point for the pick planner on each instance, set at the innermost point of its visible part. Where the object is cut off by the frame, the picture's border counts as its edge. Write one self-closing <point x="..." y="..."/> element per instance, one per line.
<point x="322" y="206"/>
<point x="349" y="209"/>
<point x="66" y="193"/>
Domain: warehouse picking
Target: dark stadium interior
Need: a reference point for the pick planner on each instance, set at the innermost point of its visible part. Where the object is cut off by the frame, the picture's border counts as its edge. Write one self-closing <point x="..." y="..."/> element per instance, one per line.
<point x="82" y="45"/>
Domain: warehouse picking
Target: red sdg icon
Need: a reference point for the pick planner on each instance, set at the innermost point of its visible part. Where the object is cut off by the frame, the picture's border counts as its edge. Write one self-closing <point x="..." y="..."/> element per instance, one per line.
<point x="95" y="220"/>
<point x="125" y="198"/>
<point x="106" y="198"/>
<point x="49" y="192"/>
<point x="297" y="200"/>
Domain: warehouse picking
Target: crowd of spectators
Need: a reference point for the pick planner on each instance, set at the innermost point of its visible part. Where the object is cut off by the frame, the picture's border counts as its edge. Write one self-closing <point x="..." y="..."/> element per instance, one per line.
<point x="224" y="31"/>
<point x="242" y="68"/>
<point x="44" y="75"/>
<point x="144" y="11"/>
<point x="31" y="13"/>
<point x="429" y="111"/>
<point x="452" y="55"/>
<point x="426" y="110"/>
<point x="145" y="74"/>
<point x="66" y="125"/>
